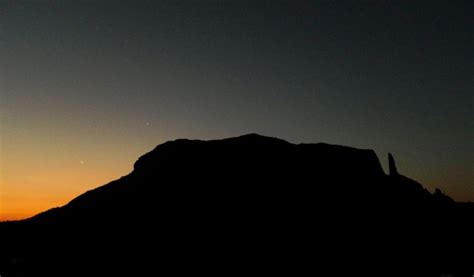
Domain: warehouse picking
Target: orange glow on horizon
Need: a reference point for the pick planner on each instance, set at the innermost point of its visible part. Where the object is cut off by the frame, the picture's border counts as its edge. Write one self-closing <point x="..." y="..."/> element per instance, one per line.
<point x="41" y="168"/>
<point x="32" y="185"/>
<point x="26" y="196"/>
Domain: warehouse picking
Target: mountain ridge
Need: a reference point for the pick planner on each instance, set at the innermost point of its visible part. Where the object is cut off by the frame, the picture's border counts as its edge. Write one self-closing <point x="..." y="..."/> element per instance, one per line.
<point x="240" y="197"/>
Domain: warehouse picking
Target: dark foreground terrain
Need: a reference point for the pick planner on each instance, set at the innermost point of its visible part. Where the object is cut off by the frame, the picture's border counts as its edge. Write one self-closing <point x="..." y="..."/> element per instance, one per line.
<point x="248" y="205"/>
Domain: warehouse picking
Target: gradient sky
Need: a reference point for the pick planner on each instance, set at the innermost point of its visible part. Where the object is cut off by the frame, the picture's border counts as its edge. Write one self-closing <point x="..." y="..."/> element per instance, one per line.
<point x="86" y="87"/>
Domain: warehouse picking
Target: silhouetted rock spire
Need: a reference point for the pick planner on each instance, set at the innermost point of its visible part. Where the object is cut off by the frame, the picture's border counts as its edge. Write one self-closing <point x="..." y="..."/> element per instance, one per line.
<point x="392" y="168"/>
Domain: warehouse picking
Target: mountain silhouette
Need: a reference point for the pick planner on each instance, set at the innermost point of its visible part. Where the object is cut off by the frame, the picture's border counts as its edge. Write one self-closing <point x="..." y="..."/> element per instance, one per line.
<point x="244" y="205"/>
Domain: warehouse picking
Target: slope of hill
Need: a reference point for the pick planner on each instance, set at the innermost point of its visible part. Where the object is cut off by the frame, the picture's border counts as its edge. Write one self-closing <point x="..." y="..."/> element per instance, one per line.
<point x="249" y="204"/>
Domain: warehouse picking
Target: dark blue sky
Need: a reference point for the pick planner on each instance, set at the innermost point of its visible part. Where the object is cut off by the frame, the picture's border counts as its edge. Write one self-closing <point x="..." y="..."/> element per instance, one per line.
<point x="81" y="77"/>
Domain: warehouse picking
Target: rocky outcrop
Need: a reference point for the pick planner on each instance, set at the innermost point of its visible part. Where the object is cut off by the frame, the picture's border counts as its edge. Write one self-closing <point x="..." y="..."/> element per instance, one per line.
<point x="392" y="167"/>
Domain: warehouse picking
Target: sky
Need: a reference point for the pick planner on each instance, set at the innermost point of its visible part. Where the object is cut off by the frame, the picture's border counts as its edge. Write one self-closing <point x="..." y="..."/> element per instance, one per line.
<point x="86" y="87"/>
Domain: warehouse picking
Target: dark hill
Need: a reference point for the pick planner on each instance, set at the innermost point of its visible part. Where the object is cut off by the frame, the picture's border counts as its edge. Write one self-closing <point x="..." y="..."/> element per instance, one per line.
<point x="244" y="205"/>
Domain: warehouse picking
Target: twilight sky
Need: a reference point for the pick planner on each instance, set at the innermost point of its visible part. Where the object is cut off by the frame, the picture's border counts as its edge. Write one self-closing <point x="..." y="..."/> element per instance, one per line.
<point x="86" y="87"/>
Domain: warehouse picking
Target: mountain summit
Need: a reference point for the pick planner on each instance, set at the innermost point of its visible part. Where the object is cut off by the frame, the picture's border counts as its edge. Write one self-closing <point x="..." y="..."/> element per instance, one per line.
<point x="246" y="204"/>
